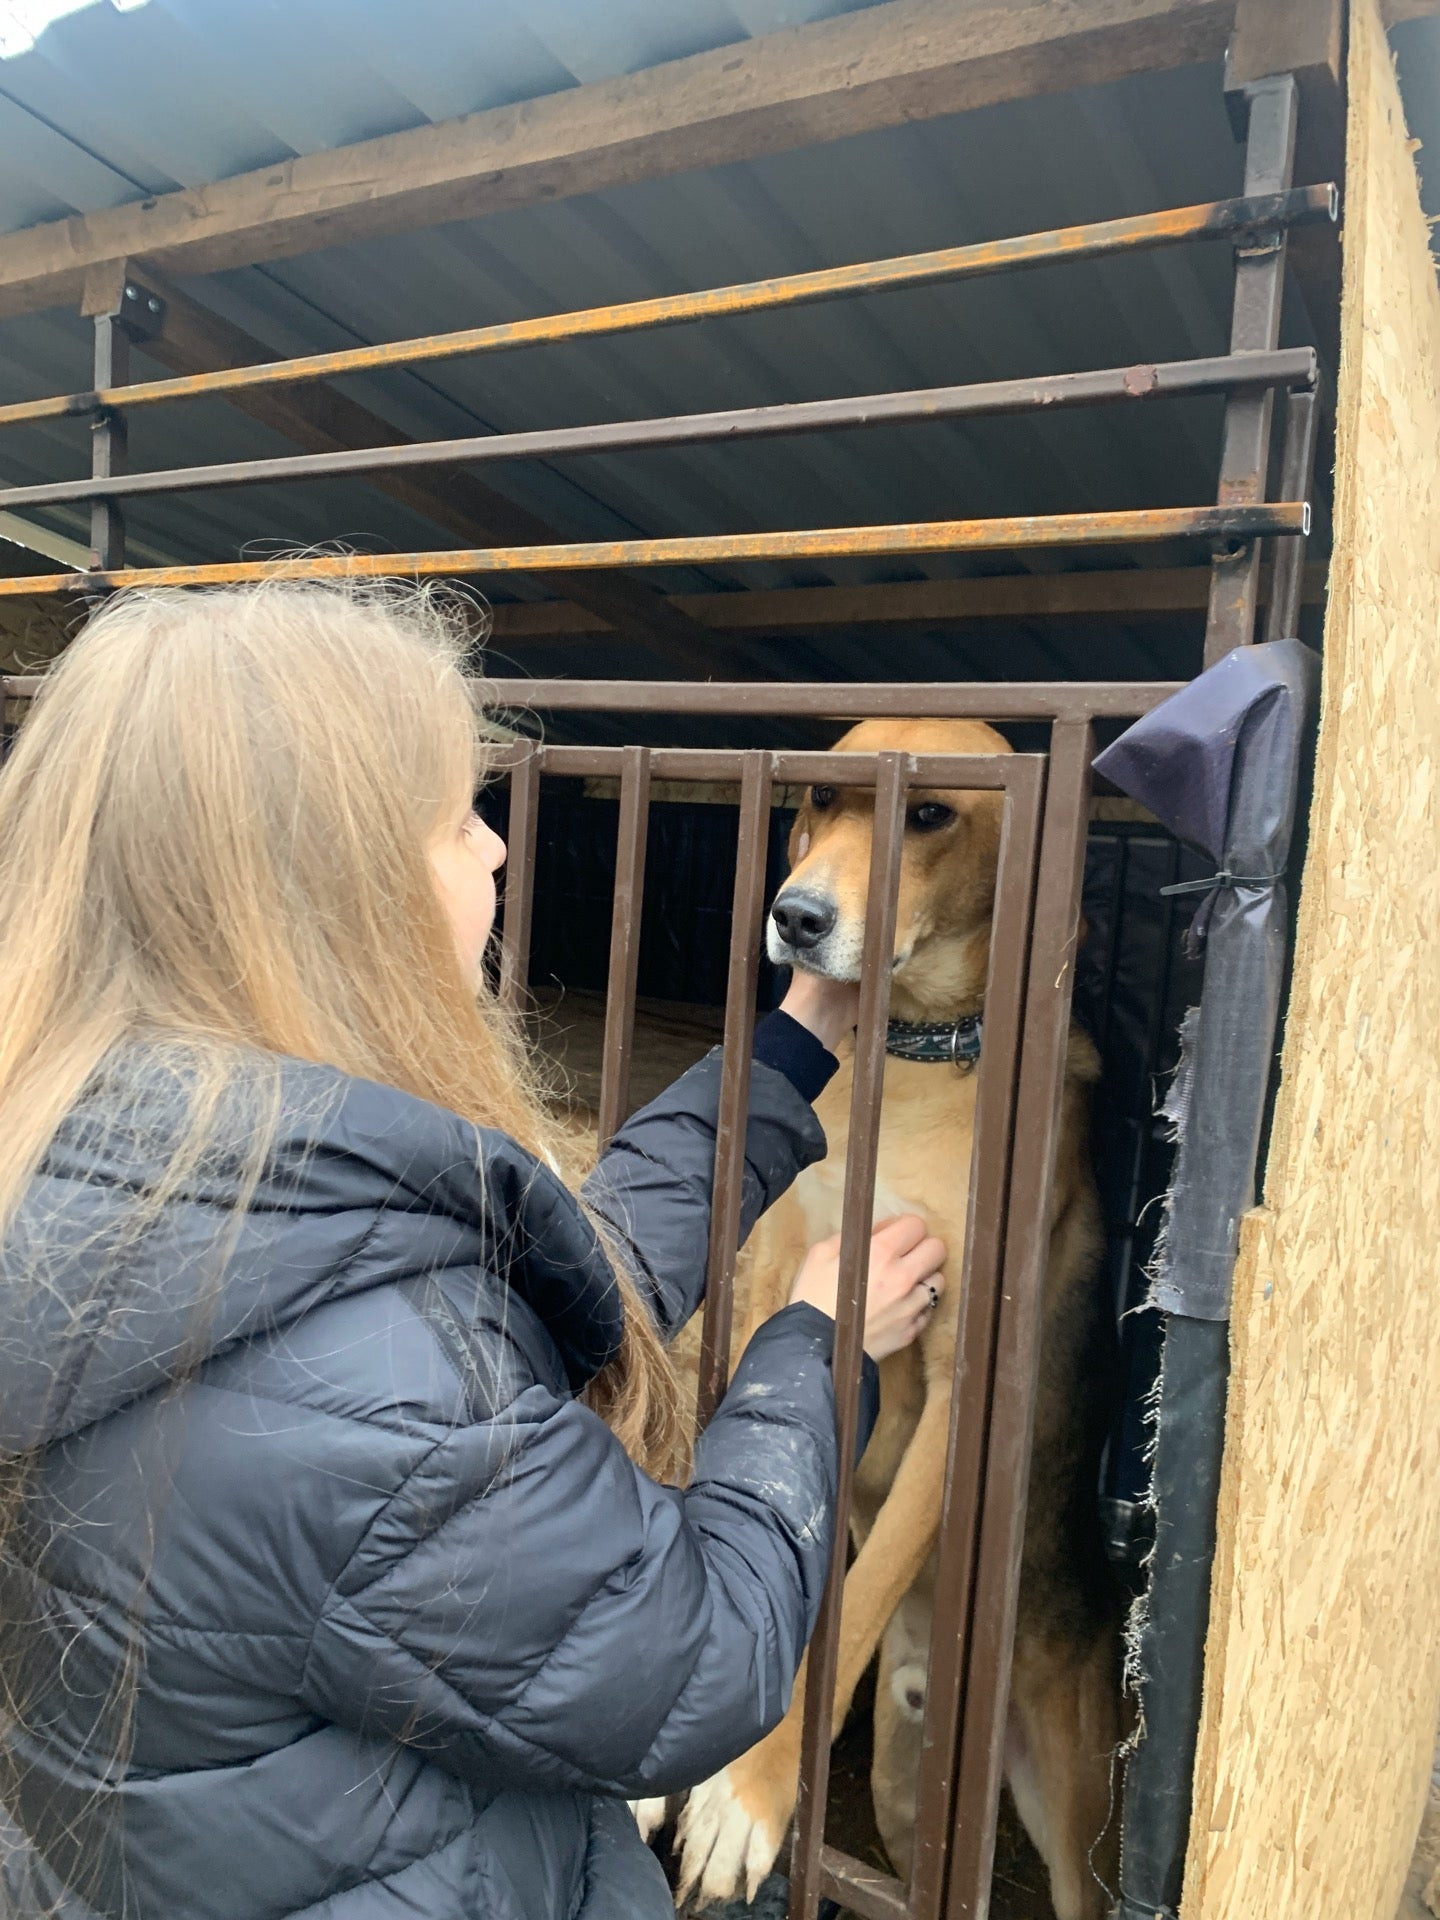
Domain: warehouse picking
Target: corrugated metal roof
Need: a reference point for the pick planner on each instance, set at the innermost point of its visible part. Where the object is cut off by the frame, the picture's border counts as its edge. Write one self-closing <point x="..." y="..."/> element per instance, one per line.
<point x="177" y="92"/>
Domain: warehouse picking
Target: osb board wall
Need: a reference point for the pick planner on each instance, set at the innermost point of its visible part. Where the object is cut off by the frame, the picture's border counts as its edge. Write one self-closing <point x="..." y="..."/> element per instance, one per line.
<point x="1323" y="1668"/>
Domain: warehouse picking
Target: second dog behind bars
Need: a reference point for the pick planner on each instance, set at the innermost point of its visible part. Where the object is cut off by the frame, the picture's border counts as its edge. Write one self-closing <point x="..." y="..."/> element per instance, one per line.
<point x="1064" y="1725"/>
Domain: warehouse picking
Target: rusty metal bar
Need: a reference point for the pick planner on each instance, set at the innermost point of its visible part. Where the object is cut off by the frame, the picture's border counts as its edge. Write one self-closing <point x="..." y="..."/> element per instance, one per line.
<point x="751" y="847"/>
<point x="519" y="877"/>
<point x="1011" y="1401"/>
<point x="859" y="699"/>
<point x="1136" y="526"/>
<point x="109" y="441"/>
<point x="854" y="700"/>
<point x="1254" y="328"/>
<point x="982" y="772"/>
<point x="1297" y="477"/>
<point x="863" y="1889"/>
<point x="990" y="1163"/>
<point x="857" y="1212"/>
<point x="624" y="941"/>
<point x="1216" y="219"/>
<point x="1172" y="379"/>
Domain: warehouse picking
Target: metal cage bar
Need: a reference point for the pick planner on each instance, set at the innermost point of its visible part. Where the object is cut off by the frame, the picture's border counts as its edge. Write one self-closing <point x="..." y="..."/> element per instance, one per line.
<point x="886" y="847"/>
<point x="1254" y="328"/>
<point x="990" y="1174"/>
<point x="1138" y="526"/>
<point x="519" y="878"/>
<point x="624" y="940"/>
<point x="749" y="900"/>
<point x="1209" y="220"/>
<point x="782" y="699"/>
<point x="1297" y="473"/>
<point x="1039" y="1091"/>
<point x="1172" y="379"/>
<point x="108" y="445"/>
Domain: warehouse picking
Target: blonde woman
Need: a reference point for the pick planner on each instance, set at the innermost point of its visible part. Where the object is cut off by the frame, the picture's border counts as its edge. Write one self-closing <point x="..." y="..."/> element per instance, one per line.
<point x="339" y="1572"/>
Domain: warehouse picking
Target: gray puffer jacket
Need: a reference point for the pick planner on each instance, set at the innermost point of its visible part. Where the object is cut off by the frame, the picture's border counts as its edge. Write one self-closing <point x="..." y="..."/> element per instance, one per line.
<point x="405" y="1626"/>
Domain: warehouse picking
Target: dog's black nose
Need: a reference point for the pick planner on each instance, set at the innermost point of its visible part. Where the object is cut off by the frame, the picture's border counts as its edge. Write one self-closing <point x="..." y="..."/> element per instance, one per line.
<point x="802" y="920"/>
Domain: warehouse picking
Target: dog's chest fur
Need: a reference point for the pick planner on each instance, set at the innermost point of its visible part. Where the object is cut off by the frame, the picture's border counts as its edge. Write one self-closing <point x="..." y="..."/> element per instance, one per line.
<point x="927" y="1118"/>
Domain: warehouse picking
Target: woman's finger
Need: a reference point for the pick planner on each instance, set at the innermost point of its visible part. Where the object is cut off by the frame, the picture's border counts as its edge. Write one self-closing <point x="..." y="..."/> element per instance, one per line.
<point x="924" y="1262"/>
<point x="899" y="1234"/>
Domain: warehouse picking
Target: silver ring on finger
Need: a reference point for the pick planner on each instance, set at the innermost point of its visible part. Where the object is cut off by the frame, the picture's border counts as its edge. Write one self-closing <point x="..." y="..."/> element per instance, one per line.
<point x="933" y="1292"/>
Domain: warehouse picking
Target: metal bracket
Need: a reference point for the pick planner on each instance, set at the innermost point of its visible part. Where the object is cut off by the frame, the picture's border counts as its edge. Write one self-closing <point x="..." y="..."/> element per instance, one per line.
<point x="113" y="292"/>
<point x="141" y="313"/>
<point x="1238" y="99"/>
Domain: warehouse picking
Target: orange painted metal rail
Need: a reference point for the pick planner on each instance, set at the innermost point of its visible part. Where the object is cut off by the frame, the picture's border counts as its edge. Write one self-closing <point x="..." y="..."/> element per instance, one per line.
<point x="828" y="543"/>
<point x="1209" y="220"/>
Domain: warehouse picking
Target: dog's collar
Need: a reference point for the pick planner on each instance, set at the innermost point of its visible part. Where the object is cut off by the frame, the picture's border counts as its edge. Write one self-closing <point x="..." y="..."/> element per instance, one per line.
<point x="953" y="1043"/>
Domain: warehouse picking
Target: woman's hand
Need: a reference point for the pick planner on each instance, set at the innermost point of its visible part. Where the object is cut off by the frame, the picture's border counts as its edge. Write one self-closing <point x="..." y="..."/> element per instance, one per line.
<point x="906" y="1281"/>
<point x="827" y="1008"/>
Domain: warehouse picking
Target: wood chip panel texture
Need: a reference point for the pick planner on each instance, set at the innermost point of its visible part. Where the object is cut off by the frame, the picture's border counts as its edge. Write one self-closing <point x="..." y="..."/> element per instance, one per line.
<point x="1323" y="1671"/>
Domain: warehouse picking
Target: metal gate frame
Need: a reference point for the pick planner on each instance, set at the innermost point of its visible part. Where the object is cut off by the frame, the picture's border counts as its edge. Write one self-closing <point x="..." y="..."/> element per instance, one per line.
<point x="1027" y="1014"/>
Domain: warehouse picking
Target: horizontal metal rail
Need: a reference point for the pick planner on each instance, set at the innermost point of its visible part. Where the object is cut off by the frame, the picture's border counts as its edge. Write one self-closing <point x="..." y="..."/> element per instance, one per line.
<point x="1209" y="220"/>
<point x="1174" y="379"/>
<point x="980" y="772"/>
<point x="853" y="700"/>
<point x="779" y="699"/>
<point x="1127" y="528"/>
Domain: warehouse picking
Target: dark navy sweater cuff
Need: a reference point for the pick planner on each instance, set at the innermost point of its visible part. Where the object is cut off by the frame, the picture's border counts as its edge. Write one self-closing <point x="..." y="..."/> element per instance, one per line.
<point x="782" y="1043"/>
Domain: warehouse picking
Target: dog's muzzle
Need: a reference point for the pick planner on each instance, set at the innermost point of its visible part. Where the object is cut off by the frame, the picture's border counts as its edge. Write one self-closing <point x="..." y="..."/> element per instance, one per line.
<point x="807" y="930"/>
<point x="802" y="920"/>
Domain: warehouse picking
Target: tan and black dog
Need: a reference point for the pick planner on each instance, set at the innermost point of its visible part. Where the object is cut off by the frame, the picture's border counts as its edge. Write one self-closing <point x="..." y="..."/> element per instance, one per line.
<point x="1065" y="1696"/>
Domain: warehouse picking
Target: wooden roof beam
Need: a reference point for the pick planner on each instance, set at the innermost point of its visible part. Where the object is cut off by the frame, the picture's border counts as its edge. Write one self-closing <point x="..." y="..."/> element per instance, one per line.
<point x="1132" y="593"/>
<point x="901" y="61"/>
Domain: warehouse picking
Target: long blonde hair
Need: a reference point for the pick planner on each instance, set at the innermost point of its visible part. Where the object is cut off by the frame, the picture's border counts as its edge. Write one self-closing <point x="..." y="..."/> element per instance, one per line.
<point x="213" y="829"/>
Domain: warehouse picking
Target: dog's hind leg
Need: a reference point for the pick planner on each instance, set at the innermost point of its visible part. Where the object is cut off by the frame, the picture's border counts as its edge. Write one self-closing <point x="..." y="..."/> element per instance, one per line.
<point x="900" y="1692"/>
<point x="1062" y="1765"/>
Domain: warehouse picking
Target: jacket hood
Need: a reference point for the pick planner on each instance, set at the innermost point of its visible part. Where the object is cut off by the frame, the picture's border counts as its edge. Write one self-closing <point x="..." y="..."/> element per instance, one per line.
<point x="103" y="1300"/>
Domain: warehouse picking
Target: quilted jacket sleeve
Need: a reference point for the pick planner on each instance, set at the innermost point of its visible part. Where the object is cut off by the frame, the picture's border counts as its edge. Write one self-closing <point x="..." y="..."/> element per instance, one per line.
<point x="531" y="1609"/>
<point x="653" y="1185"/>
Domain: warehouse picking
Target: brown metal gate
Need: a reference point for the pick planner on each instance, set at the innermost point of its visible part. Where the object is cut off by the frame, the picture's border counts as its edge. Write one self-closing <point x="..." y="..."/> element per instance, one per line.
<point x="1021" y="1072"/>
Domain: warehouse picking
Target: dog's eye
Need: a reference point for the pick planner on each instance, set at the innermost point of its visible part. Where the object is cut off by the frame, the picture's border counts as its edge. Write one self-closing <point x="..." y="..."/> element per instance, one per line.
<point x="930" y="815"/>
<point x="822" y="797"/>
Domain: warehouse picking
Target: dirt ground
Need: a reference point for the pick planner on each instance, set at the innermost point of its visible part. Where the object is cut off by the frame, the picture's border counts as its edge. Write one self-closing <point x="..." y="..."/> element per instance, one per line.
<point x="569" y="1028"/>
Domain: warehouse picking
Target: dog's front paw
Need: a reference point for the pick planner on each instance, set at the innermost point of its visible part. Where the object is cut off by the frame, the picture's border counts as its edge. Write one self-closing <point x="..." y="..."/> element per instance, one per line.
<point x="732" y="1826"/>
<point x="649" y="1816"/>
